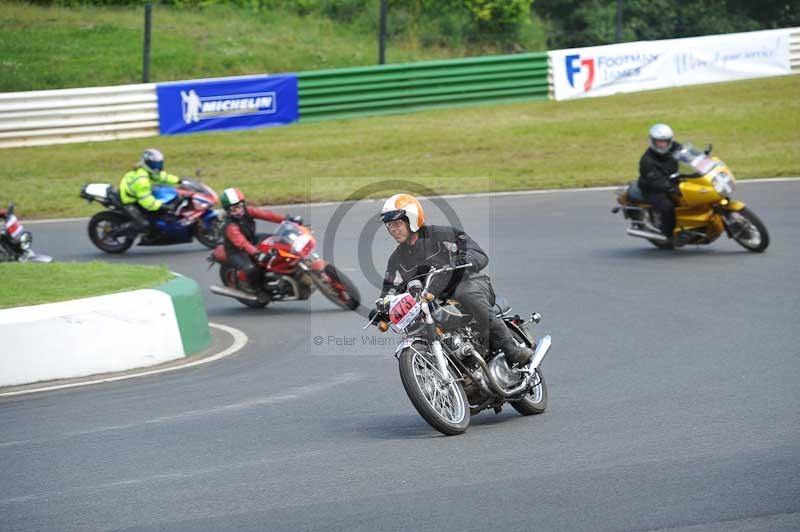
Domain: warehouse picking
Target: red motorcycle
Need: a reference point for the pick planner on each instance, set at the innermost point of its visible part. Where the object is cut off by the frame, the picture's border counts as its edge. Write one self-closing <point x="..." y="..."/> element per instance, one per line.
<point x="291" y="273"/>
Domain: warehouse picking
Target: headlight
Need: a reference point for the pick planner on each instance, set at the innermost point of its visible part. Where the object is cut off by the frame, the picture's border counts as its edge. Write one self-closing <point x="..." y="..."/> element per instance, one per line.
<point x="724" y="183"/>
<point x="25" y="240"/>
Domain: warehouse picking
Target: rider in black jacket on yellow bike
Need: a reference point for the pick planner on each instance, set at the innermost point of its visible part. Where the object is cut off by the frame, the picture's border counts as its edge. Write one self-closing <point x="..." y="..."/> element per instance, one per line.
<point x="655" y="168"/>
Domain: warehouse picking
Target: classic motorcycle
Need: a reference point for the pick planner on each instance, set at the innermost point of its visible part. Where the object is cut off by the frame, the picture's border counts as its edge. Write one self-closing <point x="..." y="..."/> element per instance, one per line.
<point x="448" y="371"/>
<point x="704" y="207"/>
<point x="194" y="216"/>
<point x="292" y="272"/>
<point x="16" y="242"/>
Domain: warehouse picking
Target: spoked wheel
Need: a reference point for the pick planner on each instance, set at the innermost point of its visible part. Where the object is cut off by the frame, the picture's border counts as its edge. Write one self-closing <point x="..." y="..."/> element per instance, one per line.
<point x="535" y="402"/>
<point x="227" y="274"/>
<point x="441" y="403"/>
<point x="747" y="230"/>
<point x="209" y="233"/>
<point x="338" y="288"/>
<point x="108" y="231"/>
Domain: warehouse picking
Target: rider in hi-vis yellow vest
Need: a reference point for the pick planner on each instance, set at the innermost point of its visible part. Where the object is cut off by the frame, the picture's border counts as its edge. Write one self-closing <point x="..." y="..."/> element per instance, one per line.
<point x="136" y="187"/>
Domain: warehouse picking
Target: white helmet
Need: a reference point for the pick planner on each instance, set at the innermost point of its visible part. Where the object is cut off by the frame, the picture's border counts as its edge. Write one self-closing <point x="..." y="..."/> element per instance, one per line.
<point x="660" y="132"/>
<point x="404" y="206"/>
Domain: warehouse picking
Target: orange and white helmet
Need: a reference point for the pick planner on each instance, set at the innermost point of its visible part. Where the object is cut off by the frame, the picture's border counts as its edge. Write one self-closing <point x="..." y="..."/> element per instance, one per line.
<point x="404" y="206"/>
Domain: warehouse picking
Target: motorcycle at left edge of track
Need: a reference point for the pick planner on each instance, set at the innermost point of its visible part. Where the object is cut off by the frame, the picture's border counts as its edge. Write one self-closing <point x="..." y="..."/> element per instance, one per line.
<point x="15" y="242"/>
<point x="194" y="215"/>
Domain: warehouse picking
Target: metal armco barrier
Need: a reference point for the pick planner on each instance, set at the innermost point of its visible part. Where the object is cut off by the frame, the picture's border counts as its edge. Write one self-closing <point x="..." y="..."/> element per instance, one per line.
<point x="389" y="89"/>
<point x="77" y="115"/>
<point x="794" y="50"/>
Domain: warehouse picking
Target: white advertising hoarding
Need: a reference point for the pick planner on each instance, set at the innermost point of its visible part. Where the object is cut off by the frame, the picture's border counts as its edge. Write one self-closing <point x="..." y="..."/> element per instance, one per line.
<point x="645" y="65"/>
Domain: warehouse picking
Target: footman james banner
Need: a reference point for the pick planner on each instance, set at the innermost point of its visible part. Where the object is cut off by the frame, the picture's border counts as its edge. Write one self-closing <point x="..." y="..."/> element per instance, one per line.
<point x="645" y="65"/>
<point x="227" y="103"/>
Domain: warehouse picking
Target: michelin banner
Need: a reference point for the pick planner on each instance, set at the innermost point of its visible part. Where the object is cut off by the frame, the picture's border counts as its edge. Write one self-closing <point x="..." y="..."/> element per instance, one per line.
<point x="227" y="103"/>
<point x="645" y="65"/>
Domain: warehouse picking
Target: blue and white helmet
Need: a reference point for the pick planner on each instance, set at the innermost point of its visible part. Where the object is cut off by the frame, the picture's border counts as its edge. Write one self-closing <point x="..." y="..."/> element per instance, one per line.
<point x="152" y="160"/>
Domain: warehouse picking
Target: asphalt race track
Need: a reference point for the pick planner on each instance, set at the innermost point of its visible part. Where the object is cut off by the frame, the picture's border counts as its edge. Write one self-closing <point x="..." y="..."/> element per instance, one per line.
<point x="674" y="396"/>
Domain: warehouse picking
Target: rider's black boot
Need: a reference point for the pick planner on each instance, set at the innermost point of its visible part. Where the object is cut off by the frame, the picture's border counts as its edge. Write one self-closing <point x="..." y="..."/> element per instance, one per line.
<point x="501" y="337"/>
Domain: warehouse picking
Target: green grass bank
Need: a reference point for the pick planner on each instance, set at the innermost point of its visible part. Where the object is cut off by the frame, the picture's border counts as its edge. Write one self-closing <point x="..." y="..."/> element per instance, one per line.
<point x="59" y="47"/>
<point x="514" y="146"/>
<point x="35" y="284"/>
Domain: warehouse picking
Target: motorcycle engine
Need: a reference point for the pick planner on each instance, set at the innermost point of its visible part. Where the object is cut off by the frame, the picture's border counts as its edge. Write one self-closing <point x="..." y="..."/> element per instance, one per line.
<point x="502" y="372"/>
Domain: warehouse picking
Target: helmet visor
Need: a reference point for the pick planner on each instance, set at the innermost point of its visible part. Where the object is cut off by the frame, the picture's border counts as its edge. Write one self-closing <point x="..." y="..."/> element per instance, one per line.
<point x="155" y="166"/>
<point x="392" y="215"/>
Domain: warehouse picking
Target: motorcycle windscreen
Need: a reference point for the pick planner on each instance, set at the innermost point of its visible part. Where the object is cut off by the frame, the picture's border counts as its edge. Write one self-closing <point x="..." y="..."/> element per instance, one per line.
<point x="288" y="233"/>
<point x="698" y="160"/>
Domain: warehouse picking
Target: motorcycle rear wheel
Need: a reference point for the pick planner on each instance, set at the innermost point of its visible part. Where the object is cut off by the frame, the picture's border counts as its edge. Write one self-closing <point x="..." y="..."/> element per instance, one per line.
<point x="227" y="274"/>
<point x="209" y="237"/>
<point x="444" y="407"/>
<point x="534" y="402"/>
<point x="752" y="234"/>
<point x="100" y="228"/>
<point x="353" y="297"/>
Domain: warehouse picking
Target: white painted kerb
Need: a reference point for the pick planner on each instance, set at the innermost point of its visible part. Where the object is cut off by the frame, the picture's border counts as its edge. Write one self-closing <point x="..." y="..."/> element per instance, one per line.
<point x="82" y="337"/>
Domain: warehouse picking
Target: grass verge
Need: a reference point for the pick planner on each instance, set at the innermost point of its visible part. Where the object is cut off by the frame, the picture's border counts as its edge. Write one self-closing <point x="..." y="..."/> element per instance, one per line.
<point x="513" y="146"/>
<point x="55" y="47"/>
<point x="35" y="284"/>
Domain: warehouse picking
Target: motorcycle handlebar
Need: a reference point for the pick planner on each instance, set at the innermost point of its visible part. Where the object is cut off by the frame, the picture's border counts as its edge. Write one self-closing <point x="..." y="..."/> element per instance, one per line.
<point x="428" y="278"/>
<point x="449" y="268"/>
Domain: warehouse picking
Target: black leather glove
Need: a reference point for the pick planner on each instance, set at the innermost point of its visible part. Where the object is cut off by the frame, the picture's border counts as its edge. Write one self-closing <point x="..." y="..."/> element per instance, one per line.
<point x="463" y="258"/>
<point x="262" y="257"/>
<point x="295" y="219"/>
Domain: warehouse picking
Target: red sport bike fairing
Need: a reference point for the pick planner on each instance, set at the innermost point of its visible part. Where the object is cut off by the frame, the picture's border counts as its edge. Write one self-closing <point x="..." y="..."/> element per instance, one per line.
<point x="291" y="273"/>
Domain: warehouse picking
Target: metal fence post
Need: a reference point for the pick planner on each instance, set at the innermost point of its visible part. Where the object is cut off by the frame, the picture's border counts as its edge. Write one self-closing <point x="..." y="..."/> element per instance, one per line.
<point x="382" y="34"/>
<point x="148" y="17"/>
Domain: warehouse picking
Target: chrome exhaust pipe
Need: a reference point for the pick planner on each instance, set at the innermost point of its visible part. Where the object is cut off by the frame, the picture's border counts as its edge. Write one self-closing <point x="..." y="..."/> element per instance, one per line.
<point x="658" y="237"/>
<point x="232" y="292"/>
<point x="542" y="347"/>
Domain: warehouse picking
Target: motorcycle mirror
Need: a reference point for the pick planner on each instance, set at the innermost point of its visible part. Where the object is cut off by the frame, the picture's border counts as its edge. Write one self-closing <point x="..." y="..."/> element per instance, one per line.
<point x="10" y="207"/>
<point x="708" y="149"/>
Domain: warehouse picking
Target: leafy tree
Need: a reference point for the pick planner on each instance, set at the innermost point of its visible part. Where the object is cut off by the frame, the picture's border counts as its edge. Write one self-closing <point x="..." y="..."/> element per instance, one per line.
<point x="573" y="23"/>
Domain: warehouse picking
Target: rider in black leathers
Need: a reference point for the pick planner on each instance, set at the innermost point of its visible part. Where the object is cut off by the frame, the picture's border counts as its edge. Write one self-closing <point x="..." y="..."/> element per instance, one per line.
<point x="655" y="168"/>
<point x="422" y="247"/>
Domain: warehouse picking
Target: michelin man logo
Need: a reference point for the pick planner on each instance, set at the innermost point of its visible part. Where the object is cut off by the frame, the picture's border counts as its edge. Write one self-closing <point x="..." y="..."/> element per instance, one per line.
<point x="191" y="106"/>
<point x="196" y="108"/>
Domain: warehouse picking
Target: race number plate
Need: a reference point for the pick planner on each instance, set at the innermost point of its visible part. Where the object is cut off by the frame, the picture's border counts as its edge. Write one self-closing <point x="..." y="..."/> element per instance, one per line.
<point x="403" y="310"/>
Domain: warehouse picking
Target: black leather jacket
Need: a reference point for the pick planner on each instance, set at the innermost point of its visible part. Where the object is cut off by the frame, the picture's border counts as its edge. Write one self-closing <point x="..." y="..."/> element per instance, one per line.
<point x="655" y="169"/>
<point x="436" y="246"/>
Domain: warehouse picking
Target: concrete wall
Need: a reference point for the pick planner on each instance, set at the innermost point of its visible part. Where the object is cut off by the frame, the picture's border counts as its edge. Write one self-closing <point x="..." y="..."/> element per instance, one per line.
<point x="102" y="334"/>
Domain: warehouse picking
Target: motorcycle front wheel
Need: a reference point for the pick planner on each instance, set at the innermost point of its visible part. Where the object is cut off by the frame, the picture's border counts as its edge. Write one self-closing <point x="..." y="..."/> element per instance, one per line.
<point x="444" y="406"/>
<point x="210" y="235"/>
<point x="107" y="233"/>
<point x="747" y="230"/>
<point x="338" y="288"/>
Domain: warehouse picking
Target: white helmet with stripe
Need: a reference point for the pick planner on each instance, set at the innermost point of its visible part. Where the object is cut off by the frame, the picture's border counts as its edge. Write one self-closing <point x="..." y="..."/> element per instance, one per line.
<point x="405" y="206"/>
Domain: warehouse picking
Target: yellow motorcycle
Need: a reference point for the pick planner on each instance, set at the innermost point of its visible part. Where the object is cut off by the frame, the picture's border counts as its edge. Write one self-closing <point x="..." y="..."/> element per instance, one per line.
<point x="703" y="207"/>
